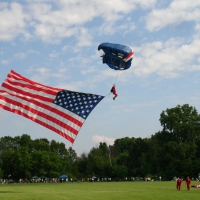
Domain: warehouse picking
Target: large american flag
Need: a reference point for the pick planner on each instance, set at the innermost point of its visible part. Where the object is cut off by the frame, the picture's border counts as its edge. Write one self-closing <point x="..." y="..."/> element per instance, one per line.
<point x="61" y="111"/>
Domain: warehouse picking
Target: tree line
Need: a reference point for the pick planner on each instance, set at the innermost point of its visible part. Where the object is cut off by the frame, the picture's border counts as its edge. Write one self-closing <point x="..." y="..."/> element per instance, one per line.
<point x="173" y="151"/>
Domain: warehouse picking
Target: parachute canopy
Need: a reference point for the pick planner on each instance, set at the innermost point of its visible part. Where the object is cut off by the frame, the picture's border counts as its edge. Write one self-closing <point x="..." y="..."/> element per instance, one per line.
<point x="116" y="56"/>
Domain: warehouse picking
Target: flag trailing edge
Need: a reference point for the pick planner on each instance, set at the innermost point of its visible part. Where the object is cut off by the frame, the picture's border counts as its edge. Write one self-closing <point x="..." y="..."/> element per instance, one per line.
<point x="62" y="111"/>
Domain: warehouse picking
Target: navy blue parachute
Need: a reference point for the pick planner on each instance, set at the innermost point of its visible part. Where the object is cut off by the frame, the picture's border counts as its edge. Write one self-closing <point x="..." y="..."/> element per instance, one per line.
<point x="117" y="56"/>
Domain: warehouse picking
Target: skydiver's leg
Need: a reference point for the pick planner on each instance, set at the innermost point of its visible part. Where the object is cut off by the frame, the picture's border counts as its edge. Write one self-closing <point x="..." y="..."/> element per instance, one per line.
<point x="115" y="96"/>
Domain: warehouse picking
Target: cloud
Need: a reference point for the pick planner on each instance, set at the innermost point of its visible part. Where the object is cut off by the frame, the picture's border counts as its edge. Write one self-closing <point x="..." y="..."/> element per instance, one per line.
<point x="73" y="86"/>
<point x="97" y="139"/>
<point x="88" y="70"/>
<point x="12" y="21"/>
<point x="67" y="17"/>
<point x="44" y="75"/>
<point x="102" y="75"/>
<point x="166" y="59"/>
<point x="146" y="4"/>
<point x="84" y="38"/>
<point x="177" y="12"/>
<point x="42" y="70"/>
<point x="113" y="27"/>
<point x="53" y="55"/>
<point x="20" y="55"/>
<point x="5" y="62"/>
<point x="133" y="107"/>
<point x="197" y="27"/>
<point x="51" y="21"/>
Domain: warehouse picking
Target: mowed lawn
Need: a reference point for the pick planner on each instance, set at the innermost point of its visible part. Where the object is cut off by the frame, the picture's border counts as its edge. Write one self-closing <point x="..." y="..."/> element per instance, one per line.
<point x="95" y="191"/>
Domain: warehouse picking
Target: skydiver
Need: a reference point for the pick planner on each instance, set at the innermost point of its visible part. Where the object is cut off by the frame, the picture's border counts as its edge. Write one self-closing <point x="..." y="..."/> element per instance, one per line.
<point x="188" y="182"/>
<point x="178" y="184"/>
<point x="113" y="90"/>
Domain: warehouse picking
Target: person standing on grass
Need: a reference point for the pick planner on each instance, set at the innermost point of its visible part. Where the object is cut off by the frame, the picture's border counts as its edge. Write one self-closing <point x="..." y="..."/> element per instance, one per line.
<point x="178" y="184"/>
<point x="188" y="182"/>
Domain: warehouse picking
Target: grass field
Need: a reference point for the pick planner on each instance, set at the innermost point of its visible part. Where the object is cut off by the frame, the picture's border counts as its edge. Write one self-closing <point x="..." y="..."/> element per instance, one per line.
<point x="96" y="191"/>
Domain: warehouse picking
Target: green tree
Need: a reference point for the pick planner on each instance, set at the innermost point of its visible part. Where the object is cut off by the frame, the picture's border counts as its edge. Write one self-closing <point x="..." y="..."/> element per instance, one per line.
<point x="99" y="161"/>
<point x="59" y="148"/>
<point x="182" y="122"/>
<point x="119" y="172"/>
<point x="70" y="162"/>
<point x="7" y="157"/>
<point x="54" y="165"/>
<point x="1" y="173"/>
<point x="41" y="144"/>
<point x="8" y="143"/>
<point x="26" y="141"/>
<point x="82" y="165"/>
<point x="40" y="163"/>
<point x="21" y="163"/>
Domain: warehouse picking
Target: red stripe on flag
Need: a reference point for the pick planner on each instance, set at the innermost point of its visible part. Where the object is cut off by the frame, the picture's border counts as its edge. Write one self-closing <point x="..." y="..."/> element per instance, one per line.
<point x="32" y="87"/>
<point x="47" y="107"/>
<point x="39" y="113"/>
<point x="20" y="77"/>
<point x="39" y="122"/>
<point x="21" y="92"/>
<point x="34" y="101"/>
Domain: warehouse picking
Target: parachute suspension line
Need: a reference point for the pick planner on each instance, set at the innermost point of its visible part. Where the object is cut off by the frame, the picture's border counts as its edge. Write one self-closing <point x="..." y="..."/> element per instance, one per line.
<point x="120" y="73"/>
<point x="114" y="79"/>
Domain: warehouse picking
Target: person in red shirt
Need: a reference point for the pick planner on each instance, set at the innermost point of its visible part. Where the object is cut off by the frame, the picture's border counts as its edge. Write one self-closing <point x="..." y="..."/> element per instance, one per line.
<point x="113" y="90"/>
<point x="188" y="182"/>
<point x="178" y="184"/>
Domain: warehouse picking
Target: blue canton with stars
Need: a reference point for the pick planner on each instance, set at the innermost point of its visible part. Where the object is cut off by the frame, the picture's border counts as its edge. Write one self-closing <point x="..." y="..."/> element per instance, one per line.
<point x="79" y="103"/>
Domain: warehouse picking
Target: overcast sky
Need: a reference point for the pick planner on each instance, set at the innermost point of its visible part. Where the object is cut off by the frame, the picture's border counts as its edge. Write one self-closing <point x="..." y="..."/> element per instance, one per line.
<point x="55" y="42"/>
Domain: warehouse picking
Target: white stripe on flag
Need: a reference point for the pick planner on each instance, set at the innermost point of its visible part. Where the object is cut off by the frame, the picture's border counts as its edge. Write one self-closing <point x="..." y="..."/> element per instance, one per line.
<point x="41" y="120"/>
<point x="33" y="108"/>
<point x="33" y="101"/>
